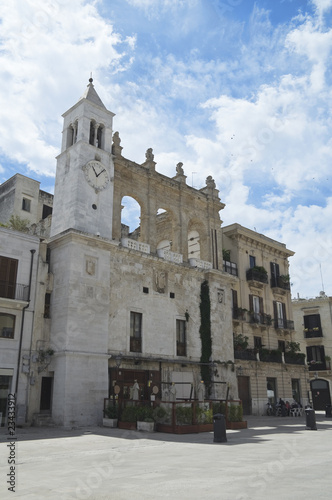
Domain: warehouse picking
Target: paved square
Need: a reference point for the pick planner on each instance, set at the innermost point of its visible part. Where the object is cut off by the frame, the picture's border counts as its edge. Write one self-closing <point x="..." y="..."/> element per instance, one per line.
<point x="275" y="458"/>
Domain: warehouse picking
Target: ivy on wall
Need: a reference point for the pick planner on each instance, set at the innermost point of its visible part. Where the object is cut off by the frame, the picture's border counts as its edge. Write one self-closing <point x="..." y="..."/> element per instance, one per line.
<point x="205" y="334"/>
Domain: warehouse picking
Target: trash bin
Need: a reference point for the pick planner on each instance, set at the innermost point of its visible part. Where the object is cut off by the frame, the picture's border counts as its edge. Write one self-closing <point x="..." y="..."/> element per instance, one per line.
<point x="328" y="411"/>
<point x="219" y="428"/>
<point x="310" y="419"/>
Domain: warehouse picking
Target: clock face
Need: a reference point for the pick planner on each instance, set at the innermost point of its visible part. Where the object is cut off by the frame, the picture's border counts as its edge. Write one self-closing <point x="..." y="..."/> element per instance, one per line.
<point x="96" y="175"/>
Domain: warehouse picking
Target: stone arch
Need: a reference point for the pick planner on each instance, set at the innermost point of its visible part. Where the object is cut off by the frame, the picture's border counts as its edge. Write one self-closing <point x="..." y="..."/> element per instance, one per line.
<point x="166" y="237"/>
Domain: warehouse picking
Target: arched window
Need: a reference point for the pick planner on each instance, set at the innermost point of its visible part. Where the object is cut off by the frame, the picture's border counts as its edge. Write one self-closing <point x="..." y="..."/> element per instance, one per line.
<point x="194" y="248"/>
<point x="130" y="218"/>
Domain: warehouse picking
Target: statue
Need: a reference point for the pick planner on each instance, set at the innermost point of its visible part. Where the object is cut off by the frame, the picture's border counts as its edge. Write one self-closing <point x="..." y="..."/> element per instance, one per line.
<point x="149" y="154"/>
<point x="201" y="391"/>
<point x="210" y="182"/>
<point x="116" y="139"/>
<point x="172" y="392"/>
<point x="135" y="389"/>
<point x="179" y="169"/>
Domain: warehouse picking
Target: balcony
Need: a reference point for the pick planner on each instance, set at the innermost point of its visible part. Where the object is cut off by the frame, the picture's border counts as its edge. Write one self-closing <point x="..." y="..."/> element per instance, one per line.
<point x="260" y="319"/>
<point x="310" y="333"/>
<point x="230" y="267"/>
<point x="294" y="358"/>
<point x="254" y="274"/>
<point x="177" y="258"/>
<point x="135" y="245"/>
<point x="202" y="264"/>
<point x="14" y="291"/>
<point x="316" y="366"/>
<point x="280" y="282"/>
<point x="270" y="356"/>
<point x="283" y="324"/>
<point x="245" y="354"/>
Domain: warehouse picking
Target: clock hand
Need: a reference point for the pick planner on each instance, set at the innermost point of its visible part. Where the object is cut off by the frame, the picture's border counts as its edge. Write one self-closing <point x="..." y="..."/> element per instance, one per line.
<point x="100" y="172"/>
<point x="93" y="168"/>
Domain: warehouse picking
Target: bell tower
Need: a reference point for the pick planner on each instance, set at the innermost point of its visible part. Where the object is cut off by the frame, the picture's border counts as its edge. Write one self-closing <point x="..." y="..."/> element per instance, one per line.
<point x="83" y="193"/>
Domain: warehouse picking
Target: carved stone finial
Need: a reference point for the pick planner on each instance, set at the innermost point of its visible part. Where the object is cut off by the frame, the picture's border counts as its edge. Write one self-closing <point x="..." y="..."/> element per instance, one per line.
<point x="179" y="169"/>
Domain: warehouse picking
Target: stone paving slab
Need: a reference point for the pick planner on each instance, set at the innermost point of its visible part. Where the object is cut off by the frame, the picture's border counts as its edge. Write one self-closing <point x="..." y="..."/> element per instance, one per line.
<point x="274" y="458"/>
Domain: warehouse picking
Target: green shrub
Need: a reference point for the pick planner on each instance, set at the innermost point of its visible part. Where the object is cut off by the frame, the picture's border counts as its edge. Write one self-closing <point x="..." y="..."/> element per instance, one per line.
<point x="111" y="411"/>
<point x="160" y="414"/>
<point x="129" y="414"/>
<point x="184" y="414"/>
<point x="235" y="413"/>
<point x="145" y="414"/>
<point x="219" y="408"/>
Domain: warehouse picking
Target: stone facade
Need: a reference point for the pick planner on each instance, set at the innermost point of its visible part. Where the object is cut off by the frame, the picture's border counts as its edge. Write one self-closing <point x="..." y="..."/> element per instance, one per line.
<point x="262" y="318"/>
<point x="313" y="324"/>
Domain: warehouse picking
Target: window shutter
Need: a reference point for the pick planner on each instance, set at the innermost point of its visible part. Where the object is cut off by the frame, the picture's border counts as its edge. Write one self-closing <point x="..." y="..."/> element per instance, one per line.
<point x="261" y="305"/>
<point x="251" y="303"/>
<point x="234" y="298"/>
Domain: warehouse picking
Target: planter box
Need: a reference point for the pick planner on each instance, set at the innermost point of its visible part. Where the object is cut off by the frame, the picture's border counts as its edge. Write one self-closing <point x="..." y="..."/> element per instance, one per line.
<point x="110" y="422"/>
<point x="145" y="426"/>
<point x="236" y="425"/>
<point x="131" y="426"/>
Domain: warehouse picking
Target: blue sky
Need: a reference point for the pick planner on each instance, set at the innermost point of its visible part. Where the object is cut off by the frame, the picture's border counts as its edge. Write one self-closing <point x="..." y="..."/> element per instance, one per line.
<point x="236" y="89"/>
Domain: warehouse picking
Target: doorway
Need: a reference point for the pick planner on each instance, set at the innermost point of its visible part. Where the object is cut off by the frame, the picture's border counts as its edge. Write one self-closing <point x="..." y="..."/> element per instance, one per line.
<point x="46" y="395"/>
<point x="243" y="384"/>
<point x="320" y="394"/>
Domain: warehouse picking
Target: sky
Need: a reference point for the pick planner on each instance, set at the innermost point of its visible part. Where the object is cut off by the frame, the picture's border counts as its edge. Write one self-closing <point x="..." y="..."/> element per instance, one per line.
<point x="237" y="89"/>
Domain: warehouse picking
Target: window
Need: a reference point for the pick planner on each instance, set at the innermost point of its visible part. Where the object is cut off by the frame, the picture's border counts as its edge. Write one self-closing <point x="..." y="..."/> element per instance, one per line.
<point x="235" y="304"/>
<point x="296" y="390"/>
<point x="279" y="310"/>
<point x="46" y="211"/>
<point x="252" y="261"/>
<point x="145" y="289"/>
<point x="135" y="332"/>
<point x="26" y="205"/>
<point x="312" y="326"/>
<point x="281" y="345"/>
<point x="181" y="349"/>
<point x="275" y="274"/>
<point x="256" y="308"/>
<point x="271" y="385"/>
<point x="258" y="342"/>
<point x="7" y="326"/>
<point x="316" y="357"/>
<point x="8" y="272"/>
<point x="47" y="305"/>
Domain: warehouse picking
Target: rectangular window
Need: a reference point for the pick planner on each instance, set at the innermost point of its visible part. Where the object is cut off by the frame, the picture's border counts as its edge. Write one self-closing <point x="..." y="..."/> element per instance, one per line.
<point x="281" y="345"/>
<point x="279" y="309"/>
<point x="181" y="345"/>
<point x="275" y="273"/>
<point x="26" y="204"/>
<point x="256" y="309"/>
<point x="8" y="273"/>
<point x="296" y="390"/>
<point x="257" y="342"/>
<point x="7" y="325"/>
<point x="252" y="261"/>
<point x="316" y="357"/>
<point x="312" y="326"/>
<point x="47" y="305"/>
<point x="46" y="211"/>
<point x="135" y="332"/>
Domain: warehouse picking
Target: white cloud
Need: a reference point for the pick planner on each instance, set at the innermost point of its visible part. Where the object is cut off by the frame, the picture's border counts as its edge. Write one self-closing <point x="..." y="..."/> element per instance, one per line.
<point x="48" y="51"/>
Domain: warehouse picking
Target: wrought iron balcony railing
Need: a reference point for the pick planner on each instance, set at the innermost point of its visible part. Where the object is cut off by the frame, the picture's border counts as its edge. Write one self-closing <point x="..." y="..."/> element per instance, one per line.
<point x="15" y="291"/>
<point x="279" y="282"/>
<point x="310" y="333"/>
<point x="255" y="275"/>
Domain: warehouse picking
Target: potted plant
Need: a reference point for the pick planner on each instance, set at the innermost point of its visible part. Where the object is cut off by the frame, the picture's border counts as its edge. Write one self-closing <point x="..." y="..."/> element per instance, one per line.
<point x="235" y="417"/>
<point x="145" y="419"/>
<point x="111" y="416"/>
<point x="128" y="417"/>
